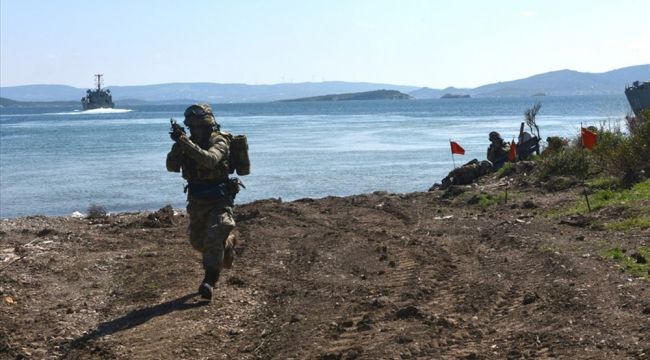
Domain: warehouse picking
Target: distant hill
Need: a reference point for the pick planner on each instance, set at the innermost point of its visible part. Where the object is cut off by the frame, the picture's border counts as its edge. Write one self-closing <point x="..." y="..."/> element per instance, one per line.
<point x="454" y="96"/>
<point x="562" y="82"/>
<point x="366" y="95"/>
<point x="428" y="93"/>
<point x="567" y="82"/>
<point x="197" y="92"/>
<point x="4" y="102"/>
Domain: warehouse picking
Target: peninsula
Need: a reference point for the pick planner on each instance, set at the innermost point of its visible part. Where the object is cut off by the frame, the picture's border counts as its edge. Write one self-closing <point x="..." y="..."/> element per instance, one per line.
<point x="454" y="96"/>
<point x="366" y="95"/>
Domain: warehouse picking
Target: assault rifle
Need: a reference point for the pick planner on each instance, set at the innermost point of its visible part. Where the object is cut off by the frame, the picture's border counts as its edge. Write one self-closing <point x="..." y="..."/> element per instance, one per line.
<point x="176" y="132"/>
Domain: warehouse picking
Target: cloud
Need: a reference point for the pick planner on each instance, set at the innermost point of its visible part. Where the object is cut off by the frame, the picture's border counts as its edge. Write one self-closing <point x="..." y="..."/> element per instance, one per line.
<point x="528" y="13"/>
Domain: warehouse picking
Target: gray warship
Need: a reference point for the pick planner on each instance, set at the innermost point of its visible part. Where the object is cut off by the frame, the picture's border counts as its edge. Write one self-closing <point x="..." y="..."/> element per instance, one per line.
<point x="638" y="95"/>
<point x="97" y="98"/>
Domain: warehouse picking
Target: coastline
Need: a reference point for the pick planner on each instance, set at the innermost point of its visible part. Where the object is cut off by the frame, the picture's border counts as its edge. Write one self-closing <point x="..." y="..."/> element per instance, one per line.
<point x="431" y="274"/>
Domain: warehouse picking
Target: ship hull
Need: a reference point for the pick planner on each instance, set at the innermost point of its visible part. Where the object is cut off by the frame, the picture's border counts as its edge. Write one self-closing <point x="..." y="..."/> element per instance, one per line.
<point x="97" y="99"/>
<point x="639" y="97"/>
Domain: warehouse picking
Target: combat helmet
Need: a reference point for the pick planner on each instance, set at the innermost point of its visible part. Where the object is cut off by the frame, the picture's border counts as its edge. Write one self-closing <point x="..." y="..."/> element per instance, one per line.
<point x="485" y="167"/>
<point x="495" y="136"/>
<point x="199" y="115"/>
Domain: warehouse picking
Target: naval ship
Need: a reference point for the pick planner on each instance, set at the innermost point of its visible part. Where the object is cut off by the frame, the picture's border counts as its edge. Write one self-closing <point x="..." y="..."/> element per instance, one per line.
<point x="97" y="98"/>
<point x="638" y="95"/>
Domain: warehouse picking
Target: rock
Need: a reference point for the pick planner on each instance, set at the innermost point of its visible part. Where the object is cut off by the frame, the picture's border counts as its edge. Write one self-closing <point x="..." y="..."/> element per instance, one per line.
<point x="640" y="259"/>
<point x="529" y="298"/>
<point x="236" y="281"/>
<point x="162" y="218"/>
<point x="352" y="354"/>
<point x="403" y="339"/>
<point x="365" y="324"/>
<point x="45" y="232"/>
<point x="577" y="220"/>
<point x="523" y="167"/>
<point x="408" y="312"/>
<point x="453" y="191"/>
<point x="381" y="302"/>
<point x="331" y="356"/>
<point x="474" y="200"/>
<point x="446" y="322"/>
<point x="646" y="310"/>
<point x="527" y="204"/>
<point x="559" y="183"/>
<point x="347" y="323"/>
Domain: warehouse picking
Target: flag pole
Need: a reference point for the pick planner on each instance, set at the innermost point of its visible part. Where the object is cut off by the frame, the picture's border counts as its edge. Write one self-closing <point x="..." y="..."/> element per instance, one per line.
<point x="582" y="139"/>
<point x="584" y="183"/>
<point x="452" y="155"/>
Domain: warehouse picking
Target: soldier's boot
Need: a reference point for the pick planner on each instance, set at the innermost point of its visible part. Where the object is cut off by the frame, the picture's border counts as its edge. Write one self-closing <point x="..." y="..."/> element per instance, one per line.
<point x="207" y="285"/>
<point x="229" y="251"/>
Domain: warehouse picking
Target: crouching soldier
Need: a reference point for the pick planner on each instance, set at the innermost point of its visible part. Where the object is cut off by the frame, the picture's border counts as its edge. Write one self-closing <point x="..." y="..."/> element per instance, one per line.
<point x="203" y="159"/>
<point x="497" y="152"/>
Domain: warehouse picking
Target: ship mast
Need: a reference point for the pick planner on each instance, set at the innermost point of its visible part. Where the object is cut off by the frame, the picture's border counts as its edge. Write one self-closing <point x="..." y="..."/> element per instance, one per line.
<point x="98" y="81"/>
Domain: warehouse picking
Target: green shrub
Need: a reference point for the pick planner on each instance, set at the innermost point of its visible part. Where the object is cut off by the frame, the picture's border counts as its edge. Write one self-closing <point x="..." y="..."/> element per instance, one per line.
<point x="635" y="263"/>
<point x="604" y="183"/>
<point x="555" y="144"/>
<point x="507" y="169"/>
<point x="569" y="161"/>
<point x="617" y="154"/>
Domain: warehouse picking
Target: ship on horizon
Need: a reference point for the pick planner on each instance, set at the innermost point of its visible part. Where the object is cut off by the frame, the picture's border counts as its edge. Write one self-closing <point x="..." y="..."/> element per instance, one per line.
<point x="97" y="98"/>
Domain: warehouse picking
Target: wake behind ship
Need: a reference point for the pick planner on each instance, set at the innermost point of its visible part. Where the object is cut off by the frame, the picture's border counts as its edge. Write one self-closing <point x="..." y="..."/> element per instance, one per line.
<point x="97" y="98"/>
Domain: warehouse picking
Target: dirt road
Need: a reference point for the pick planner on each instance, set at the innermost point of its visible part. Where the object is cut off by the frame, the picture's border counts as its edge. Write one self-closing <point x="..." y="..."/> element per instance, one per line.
<point x="376" y="276"/>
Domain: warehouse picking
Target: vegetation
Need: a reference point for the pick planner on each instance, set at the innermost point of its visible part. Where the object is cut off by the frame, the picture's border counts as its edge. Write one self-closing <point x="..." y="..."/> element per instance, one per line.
<point x="367" y="95"/>
<point x="617" y="154"/>
<point x="486" y="200"/>
<point x="615" y="173"/>
<point x="633" y="201"/>
<point x="530" y="115"/>
<point x="636" y="263"/>
<point x="507" y="169"/>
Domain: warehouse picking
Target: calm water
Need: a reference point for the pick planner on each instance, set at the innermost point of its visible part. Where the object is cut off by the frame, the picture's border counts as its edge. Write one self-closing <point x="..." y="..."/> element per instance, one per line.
<point x="56" y="161"/>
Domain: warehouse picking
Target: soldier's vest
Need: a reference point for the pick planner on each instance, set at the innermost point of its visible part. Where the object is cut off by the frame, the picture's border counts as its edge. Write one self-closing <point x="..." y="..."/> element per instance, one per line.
<point x="194" y="173"/>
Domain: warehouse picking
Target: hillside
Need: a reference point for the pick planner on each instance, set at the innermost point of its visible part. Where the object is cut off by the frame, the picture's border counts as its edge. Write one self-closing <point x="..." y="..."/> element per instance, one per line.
<point x="563" y="82"/>
<point x="567" y="82"/>
<point x="367" y="95"/>
<point x="431" y="275"/>
<point x="4" y="102"/>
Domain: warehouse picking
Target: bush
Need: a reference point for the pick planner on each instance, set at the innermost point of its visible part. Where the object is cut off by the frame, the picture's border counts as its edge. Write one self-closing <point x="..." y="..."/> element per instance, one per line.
<point x="617" y="154"/>
<point x="555" y="144"/>
<point x="96" y="211"/>
<point x="569" y="161"/>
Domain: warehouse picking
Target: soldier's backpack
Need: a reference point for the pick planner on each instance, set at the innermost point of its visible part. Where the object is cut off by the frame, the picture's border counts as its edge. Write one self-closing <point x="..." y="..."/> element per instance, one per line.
<point x="239" y="160"/>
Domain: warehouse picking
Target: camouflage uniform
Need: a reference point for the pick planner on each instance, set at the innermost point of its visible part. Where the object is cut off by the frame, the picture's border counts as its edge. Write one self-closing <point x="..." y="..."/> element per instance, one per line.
<point x="203" y="161"/>
<point x="466" y="174"/>
<point x="497" y="152"/>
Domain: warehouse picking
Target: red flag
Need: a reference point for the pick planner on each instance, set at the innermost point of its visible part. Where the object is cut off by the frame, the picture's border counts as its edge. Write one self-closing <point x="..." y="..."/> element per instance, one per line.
<point x="512" y="153"/>
<point x="456" y="149"/>
<point x="589" y="138"/>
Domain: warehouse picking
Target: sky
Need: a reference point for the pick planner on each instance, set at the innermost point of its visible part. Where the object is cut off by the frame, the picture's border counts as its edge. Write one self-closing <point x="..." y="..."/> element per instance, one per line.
<point x="434" y="43"/>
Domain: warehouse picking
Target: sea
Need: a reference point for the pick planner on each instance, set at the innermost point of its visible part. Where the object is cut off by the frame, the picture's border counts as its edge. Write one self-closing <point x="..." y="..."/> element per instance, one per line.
<point x="61" y="160"/>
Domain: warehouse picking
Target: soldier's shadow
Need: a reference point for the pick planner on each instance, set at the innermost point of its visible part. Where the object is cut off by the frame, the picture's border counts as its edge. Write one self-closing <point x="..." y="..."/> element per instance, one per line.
<point x="139" y="317"/>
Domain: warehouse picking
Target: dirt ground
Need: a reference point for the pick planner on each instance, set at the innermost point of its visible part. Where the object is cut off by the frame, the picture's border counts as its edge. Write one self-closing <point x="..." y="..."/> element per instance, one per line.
<point x="429" y="275"/>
